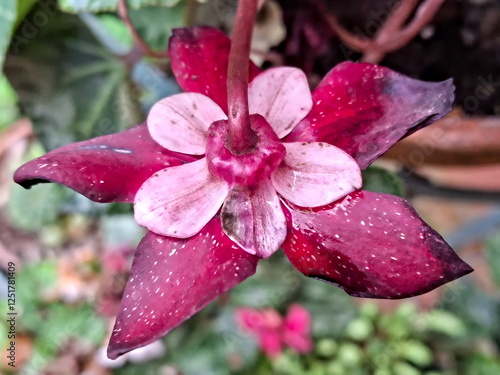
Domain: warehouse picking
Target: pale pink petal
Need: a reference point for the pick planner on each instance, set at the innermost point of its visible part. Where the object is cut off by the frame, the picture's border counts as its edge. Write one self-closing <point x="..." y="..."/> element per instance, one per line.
<point x="282" y="96"/>
<point x="253" y="218"/>
<point x="180" y="122"/>
<point x="315" y="174"/>
<point x="179" y="201"/>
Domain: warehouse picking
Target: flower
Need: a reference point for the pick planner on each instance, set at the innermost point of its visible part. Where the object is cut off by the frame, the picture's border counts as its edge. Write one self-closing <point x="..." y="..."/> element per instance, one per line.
<point x="179" y="201"/>
<point x="370" y="244"/>
<point x="273" y="332"/>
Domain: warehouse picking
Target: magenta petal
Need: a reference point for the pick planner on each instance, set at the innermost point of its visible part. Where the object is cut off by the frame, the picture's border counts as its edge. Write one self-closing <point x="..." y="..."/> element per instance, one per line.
<point x="199" y="57"/>
<point x="172" y="279"/>
<point x="364" y="109"/>
<point x="253" y="218"/>
<point x="105" y="169"/>
<point x="371" y="245"/>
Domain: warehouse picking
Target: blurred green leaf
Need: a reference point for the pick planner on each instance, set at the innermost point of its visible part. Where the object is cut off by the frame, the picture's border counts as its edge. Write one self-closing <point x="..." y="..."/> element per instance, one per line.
<point x="155" y="24"/>
<point x="416" y="352"/>
<point x="8" y="103"/>
<point x="480" y="365"/>
<point x="110" y="31"/>
<point x="61" y="323"/>
<point x="359" y="329"/>
<point x="77" y="6"/>
<point x="23" y="7"/>
<point x="402" y="368"/>
<point x="45" y="202"/>
<point x="67" y="83"/>
<point x="492" y="254"/>
<point x="121" y="230"/>
<point x="350" y="354"/>
<point x="34" y="285"/>
<point x="477" y="311"/>
<point x="444" y="322"/>
<point x="381" y="180"/>
<point x="8" y="14"/>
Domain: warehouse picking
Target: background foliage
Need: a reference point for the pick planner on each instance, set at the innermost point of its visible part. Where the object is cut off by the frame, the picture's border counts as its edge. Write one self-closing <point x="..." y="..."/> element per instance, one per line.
<point x="72" y="68"/>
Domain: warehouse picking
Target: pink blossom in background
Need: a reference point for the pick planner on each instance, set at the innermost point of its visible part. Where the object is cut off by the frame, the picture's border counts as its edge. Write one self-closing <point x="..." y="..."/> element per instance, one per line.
<point x="274" y="332"/>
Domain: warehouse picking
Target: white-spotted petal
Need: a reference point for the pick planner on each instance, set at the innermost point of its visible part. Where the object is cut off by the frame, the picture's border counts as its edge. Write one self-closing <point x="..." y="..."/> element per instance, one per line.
<point x="282" y="96"/>
<point x="315" y="174"/>
<point x="253" y="218"/>
<point x="180" y="122"/>
<point x="179" y="201"/>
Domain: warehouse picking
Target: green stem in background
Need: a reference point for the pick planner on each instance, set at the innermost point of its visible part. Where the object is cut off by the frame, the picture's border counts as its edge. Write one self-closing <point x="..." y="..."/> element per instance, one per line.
<point x="241" y="136"/>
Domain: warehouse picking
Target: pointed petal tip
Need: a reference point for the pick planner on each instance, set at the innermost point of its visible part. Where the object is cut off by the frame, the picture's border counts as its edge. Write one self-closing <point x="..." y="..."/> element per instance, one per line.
<point x="373" y="246"/>
<point x="374" y="106"/>
<point x="109" y="168"/>
<point x="115" y="350"/>
<point x="172" y="279"/>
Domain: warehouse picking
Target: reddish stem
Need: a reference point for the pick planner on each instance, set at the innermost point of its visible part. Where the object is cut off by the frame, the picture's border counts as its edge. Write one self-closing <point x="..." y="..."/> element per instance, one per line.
<point x="241" y="136"/>
<point x="123" y="13"/>
<point x="393" y="34"/>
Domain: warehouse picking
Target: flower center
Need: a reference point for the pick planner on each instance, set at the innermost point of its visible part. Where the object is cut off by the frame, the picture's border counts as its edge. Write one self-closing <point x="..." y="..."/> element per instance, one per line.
<point x="250" y="167"/>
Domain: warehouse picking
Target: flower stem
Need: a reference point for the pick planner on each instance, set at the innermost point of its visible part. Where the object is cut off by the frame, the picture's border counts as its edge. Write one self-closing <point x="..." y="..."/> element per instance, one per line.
<point x="241" y="136"/>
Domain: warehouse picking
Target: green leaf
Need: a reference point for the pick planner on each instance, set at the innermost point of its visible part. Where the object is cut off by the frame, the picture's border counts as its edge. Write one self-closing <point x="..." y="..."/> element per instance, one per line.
<point x="63" y="322"/>
<point x="8" y="103"/>
<point x="155" y="24"/>
<point x="67" y="83"/>
<point x="8" y="13"/>
<point x="45" y="200"/>
<point x="23" y="7"/>
<point x="481" y="365"/>
<point x="492" y="254"/>
<point x="444" y="322"/>
<point x="77" y="6"/>
<point x="44" y="204"/>
<point x="380" y="180"/>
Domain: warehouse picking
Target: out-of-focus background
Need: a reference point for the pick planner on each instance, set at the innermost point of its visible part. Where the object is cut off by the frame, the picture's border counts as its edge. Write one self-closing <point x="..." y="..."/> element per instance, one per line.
<point x="72" y="71"/>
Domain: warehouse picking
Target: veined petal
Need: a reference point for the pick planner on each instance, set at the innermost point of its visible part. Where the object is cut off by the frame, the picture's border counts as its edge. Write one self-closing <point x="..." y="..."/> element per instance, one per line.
<point x="199" y="58"/>
<point x="172" y="279"/>
<point x="253" y="218"/>
<point x="364" y="109"/>
<point x="179" y="201"/>
<point x="281" y="96"/>
<point x="371" y="245"/>
<point x="315" y="174"/>
<point x="180" y="122"/>
<point x="110" y="168"/>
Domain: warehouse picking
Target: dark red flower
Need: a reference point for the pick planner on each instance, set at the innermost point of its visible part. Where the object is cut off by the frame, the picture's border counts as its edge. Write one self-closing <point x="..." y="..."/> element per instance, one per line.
<point x="370" y="244"/>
